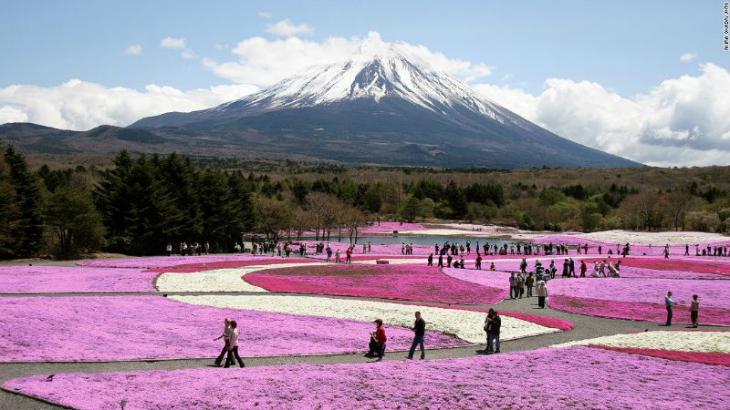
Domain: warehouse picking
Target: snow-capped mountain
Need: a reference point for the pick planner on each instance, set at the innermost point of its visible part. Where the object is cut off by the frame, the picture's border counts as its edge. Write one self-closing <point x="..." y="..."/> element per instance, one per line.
<point x="382" y="105"/>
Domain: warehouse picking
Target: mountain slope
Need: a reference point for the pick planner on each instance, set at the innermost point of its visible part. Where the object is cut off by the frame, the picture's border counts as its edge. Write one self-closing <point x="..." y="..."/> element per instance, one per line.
<point x="382" y="107"/>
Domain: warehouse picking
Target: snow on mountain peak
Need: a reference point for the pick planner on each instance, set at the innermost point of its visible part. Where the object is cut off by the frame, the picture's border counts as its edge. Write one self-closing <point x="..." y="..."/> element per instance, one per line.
<point x="376" y="69"/>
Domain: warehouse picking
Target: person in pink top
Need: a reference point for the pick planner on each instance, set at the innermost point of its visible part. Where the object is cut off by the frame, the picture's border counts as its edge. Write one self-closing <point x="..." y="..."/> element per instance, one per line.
<point x="233" y="346"/>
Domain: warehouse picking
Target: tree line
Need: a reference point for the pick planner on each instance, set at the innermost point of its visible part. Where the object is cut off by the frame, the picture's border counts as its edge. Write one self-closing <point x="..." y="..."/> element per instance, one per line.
<point x="140" y="203"/>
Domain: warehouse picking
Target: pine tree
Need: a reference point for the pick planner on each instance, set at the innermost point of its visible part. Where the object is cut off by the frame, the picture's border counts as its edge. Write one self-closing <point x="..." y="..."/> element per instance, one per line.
<point x="111" y="197"/>
<point x="29" y="230"/>
<point x="181" y="179"/>
<point x="154" y="220"/>
<point x="8" y="213"/>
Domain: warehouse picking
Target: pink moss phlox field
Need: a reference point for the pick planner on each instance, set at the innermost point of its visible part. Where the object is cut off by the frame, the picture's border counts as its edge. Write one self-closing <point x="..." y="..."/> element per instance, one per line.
<point x="203" y="266"/>
<point x="720" y="359"/>
<point x="653" y="312"/>
<point x="575" y="378"/>
<point x="167" y="261"/>
<point x="409" y="282"/>
<point x="43" y="279"/>
<point x="111" y="328"/>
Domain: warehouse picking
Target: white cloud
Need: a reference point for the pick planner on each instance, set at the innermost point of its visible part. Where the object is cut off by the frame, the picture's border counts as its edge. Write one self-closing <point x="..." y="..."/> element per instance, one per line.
<point x="265" y="14"/>
<point x="687" y="57"/>
<point x="173" y="42"/>
<point x="12" y="114"/>
<point x="188" y="54"/>
<point x="81" y="105"/>
<point x="682" y="121"/>
<point x="133" y="50"/>
<point x="286" y="28"/>
<point x="264" y="62"/>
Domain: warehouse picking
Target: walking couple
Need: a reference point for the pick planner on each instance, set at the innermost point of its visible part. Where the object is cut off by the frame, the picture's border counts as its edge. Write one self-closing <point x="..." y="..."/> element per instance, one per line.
<point x="492" y="325"/>
<point x="230" y="347"/>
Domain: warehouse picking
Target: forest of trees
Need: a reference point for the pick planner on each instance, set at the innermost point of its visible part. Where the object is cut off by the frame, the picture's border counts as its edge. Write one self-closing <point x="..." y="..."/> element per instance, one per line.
<point x="142" y="202"/>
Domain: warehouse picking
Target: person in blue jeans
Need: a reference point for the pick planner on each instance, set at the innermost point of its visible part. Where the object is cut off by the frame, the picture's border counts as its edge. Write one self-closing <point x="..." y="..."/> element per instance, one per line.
<point x="419" y="329"/>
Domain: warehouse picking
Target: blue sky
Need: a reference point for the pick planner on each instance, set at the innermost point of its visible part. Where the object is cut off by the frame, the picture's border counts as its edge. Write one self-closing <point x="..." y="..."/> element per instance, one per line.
<point x="647" y="79"/>
<point x="628" y="46"/>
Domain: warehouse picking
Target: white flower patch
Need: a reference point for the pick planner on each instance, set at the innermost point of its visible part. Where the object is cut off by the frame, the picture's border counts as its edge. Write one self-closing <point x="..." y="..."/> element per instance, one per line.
<point x="671" y="238"/>
<point x="217" y="280"/>
<point x="712" y="342"/>
<point x="465" y="325"/>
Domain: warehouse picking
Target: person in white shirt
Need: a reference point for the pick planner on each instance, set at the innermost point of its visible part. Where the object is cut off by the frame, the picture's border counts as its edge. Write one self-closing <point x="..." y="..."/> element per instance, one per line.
<point x="233" y="347"/>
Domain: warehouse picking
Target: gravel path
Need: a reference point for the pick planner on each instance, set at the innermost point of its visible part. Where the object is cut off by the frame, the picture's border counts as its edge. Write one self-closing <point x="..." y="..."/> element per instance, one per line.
<point x="585" y="327"/>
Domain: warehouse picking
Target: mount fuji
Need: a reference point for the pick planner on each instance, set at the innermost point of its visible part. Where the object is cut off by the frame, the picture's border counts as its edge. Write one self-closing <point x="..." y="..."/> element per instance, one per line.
<point x="384" y="106"/>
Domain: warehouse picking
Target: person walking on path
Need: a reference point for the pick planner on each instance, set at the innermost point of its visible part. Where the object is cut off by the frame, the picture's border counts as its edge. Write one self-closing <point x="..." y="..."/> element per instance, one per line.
<point x="419" y="330"/>
<point x="512" y="286"/>
<point x="669" y="302"/>
<point x="233" y="347"/>
<point x="380" y="337"/>
<point x="520" y="285"/>
<point x="529" y="283"/>
<point x="441" y="261"/>
<point x="493" y="324"/>
<point x="523" y="265"/>
<point x="571" y="265"/>
<point x="542" y="293"/>
<point x="694" y="310"/>
<point x="478" y="261"/>
<point x="430" y="259"/>
<point x="583" y="269"/>
<point x="666" y="251"/>
<point x="226" y="336"/>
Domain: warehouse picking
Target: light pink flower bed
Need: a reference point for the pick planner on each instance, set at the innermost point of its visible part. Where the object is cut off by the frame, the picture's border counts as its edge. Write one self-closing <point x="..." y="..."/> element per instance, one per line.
<point x="167" y="261"/>
<point x="696" y="265"/>
<point x="42" y="279"/>
<point x="720" y="359"/>
<point x="714" y="293"/>
<point x="490" y="279"/>
<point x="646" y="311"/>
<point x="409" y="282"/>
<point x="579" y="378"/>
<point x="113" y="328"/>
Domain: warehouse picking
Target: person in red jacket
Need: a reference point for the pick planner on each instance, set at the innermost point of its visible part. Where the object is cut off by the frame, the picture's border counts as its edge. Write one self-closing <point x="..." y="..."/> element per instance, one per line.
<point x="380" y="337"/>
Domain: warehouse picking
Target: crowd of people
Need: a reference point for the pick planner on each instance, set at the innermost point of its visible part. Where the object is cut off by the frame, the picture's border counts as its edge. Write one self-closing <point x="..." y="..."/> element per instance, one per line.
<point x="523" y="283"/>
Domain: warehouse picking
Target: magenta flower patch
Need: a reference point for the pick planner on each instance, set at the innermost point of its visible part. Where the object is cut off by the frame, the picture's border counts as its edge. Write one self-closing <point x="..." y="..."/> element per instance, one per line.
<point x="409" y="282"/>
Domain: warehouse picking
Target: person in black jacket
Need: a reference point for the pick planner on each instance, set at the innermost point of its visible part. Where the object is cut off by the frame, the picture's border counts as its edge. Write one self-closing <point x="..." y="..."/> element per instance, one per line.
<point x="419" y="330"/>
<point x="494" y="323"/>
